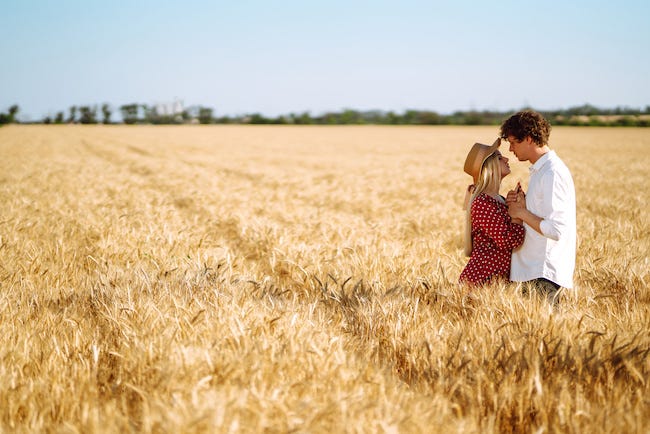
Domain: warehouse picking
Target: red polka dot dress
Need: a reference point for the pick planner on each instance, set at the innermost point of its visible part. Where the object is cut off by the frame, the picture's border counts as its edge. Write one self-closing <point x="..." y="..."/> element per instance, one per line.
<point x="493" y="238"/>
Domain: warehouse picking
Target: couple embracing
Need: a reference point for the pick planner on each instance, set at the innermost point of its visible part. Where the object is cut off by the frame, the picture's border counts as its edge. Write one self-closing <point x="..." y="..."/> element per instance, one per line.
<point x="527" y="237"/>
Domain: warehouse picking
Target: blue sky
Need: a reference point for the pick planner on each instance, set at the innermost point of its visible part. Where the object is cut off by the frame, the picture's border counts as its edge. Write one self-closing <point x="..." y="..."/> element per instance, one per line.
<point x="278" y="57"/>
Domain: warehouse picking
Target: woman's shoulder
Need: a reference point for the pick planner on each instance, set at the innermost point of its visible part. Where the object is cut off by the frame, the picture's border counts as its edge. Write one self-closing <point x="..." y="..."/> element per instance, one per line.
<point x="484" y="200"/>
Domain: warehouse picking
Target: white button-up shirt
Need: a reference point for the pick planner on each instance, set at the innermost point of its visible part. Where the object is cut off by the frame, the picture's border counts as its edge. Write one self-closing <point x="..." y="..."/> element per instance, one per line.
<point x="551" y="196"/>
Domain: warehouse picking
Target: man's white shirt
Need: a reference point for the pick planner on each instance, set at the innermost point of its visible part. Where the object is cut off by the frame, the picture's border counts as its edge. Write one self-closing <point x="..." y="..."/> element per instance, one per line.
<point x="551" y="196"/>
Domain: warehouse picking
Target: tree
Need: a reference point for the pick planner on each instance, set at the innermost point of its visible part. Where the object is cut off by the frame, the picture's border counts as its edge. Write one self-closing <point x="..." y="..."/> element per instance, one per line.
<point x="184" y="116"/>
<point x="225" y="120"/>
<point x="59" y="118"/>
<point x="151" y="115"/>
<point x="410" y="117"/>
<point x="391" y="118"/>
<point x="73" y="115"/>
<point x="303" y="119"/>
<point x="10" y="117"/>
<point x="472" y="118"/>
<point x="129" y="113"/>
<point x="106" y="113"/>
<point x="626" y="121"/>
<point x="13" y="110"/>
<point x="205" y="115"/>
<point x="257" y="118"/>
<point x="88" y="115"/>
<point x="428" y="118"/>
<point x="350" y="116"/>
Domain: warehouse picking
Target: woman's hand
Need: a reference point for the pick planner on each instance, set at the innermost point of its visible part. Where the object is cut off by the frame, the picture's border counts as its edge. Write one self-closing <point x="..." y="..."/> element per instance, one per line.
<point x="516" y="202"/>
<point x="516" y="195"/>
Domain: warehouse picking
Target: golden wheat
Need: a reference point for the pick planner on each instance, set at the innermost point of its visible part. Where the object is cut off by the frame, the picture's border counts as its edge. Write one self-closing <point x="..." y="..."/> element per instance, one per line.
<point x="276" y="279"/>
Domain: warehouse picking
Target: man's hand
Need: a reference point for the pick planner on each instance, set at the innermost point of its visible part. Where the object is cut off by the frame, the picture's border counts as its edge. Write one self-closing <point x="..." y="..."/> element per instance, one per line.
<point x="517" y="209"/>
<point x="518" y="212"/>
<point x="516" y="201"/>
<point x="516" y="194"/>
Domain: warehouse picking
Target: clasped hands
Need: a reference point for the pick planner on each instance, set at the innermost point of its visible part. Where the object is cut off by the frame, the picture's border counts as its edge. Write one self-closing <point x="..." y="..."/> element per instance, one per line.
<point x="516" y="201"/>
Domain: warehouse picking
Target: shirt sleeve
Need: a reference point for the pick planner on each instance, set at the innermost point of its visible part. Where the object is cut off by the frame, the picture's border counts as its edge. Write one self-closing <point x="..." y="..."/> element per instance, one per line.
<point x="496" y="224"/>
<point x="556" y="209"/>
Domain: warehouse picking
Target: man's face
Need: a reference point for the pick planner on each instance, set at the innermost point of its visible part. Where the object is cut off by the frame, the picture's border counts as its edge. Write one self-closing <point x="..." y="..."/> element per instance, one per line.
<point x="520" y="148"/>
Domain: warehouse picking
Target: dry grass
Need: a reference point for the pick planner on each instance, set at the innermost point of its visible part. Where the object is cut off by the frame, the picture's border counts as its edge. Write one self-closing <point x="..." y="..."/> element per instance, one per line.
<point x="277" y="279"/>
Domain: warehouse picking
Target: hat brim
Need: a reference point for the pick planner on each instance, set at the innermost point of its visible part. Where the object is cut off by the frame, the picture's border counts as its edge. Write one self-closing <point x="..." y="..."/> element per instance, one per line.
<point x="477" y="156"/>
<point x="493" y="149"/>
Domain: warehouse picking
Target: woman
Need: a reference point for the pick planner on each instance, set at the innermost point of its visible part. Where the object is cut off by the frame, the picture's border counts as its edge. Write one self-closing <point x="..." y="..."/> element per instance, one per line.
<point x="490" y="234"/>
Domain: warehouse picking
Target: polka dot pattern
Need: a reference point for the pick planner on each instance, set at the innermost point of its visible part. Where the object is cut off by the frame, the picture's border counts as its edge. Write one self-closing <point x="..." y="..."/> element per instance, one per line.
<point x="493" y="238"/>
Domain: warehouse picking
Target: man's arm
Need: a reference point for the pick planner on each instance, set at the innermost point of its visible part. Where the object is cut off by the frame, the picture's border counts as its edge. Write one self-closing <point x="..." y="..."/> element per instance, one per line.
<point x="517" y="210"/>
<point x="556" y="207"/>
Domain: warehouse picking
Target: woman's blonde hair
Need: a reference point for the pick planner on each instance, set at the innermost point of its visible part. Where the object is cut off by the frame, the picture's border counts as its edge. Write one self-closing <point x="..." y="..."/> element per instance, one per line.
<point x="488" y="179"/>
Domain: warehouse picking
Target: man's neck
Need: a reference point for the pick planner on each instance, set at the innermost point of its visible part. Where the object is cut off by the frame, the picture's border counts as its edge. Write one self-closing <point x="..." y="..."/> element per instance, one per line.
<point x="539" y="153"/>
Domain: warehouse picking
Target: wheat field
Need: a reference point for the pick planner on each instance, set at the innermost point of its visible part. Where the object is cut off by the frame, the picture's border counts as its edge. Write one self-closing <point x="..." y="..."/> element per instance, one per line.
<point x="303" y="279"/>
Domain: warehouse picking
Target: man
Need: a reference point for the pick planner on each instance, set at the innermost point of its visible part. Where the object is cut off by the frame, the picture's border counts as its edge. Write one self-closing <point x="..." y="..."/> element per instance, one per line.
<point x="546" y="259"/>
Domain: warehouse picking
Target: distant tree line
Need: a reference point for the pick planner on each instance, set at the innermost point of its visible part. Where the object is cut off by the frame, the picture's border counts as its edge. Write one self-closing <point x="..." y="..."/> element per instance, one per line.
<point x="135" y="113"/>
<point x="82" y="115"/>
<point x="578" y="116"/>
<point x="10" y="116"/>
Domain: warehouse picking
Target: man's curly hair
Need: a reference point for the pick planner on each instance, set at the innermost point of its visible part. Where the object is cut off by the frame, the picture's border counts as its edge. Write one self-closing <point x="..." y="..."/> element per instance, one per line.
<point x="527" y="123"/>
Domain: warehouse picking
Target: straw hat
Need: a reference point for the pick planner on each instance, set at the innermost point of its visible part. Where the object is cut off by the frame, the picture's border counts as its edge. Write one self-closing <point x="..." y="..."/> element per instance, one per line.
<point x="477" y="156"/>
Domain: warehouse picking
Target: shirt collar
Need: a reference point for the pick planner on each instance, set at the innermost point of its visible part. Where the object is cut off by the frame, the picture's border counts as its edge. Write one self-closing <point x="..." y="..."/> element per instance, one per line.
<point x="542" y="161"/>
